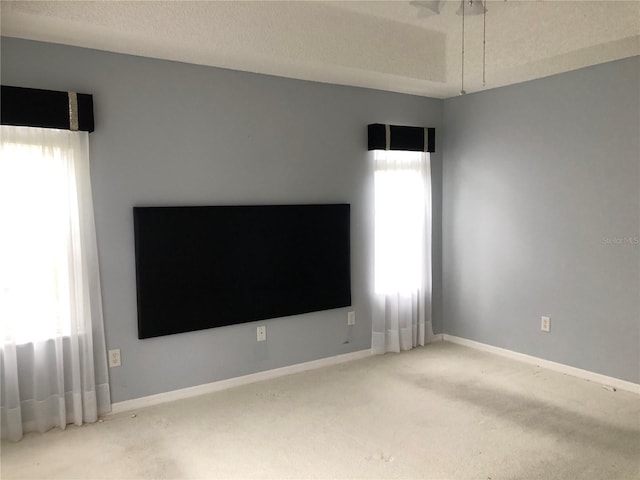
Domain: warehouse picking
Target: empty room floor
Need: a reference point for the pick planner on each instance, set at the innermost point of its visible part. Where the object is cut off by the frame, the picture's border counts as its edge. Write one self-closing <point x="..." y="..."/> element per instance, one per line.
<point x="442" y="411"/>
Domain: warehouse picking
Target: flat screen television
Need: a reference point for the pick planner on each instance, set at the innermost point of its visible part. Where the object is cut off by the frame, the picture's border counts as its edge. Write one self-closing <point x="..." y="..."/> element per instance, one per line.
<point x="209" y="266"/>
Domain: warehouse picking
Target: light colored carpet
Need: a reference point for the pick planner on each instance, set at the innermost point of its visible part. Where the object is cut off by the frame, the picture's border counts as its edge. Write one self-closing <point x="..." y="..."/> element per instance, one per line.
<point x="442" y="411"/>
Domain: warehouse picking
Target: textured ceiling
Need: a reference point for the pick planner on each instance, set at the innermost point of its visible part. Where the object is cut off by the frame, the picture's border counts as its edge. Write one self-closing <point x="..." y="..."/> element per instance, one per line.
<point x="385" y="45"/>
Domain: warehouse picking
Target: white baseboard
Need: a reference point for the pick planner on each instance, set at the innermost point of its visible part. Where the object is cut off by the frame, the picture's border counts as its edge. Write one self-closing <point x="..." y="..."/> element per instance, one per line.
<point x="557" y="367"/>
<point x="173" y="395"/>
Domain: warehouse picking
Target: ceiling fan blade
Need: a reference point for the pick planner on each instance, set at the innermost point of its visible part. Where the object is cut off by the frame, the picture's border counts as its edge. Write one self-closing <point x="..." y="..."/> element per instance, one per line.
<point x="427" y="8"/>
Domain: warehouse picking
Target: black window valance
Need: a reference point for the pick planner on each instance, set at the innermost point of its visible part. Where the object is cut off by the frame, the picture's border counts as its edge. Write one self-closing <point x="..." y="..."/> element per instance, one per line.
<point x="398" y="137"/>
<point x="30" y="107"/>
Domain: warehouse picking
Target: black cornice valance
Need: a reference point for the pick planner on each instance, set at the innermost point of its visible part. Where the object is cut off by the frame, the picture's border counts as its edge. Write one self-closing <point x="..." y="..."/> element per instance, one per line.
<point x="398" y="137"/>
<point x="30" y="107"/>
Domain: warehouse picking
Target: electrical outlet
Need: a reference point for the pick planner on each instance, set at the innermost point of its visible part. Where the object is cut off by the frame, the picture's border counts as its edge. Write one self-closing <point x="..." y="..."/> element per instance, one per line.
<point x="351" y="318"/>
<point x="545" y="324"/>
<point x="261" y="333"/>
<point x="114" y="358"/>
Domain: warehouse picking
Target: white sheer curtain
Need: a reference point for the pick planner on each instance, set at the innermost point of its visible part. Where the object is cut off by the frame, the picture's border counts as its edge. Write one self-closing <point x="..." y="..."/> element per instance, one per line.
<point x="53" y="363"/>
<point x="402" y="258"/>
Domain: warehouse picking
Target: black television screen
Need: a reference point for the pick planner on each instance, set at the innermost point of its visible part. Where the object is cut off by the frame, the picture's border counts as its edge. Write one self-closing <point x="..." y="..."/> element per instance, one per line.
<point x="209" y="266"/>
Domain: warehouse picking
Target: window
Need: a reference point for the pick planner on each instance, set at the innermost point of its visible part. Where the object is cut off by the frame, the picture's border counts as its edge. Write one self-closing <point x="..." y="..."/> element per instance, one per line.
<point x="400" y="220"/>
<point x="54" y="364"/>
<point x="38" y="208"/>
<point x="402" y="244"/>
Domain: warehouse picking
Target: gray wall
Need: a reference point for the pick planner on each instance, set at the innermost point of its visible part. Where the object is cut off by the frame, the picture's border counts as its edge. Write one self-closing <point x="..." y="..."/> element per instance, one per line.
<point x="172" y="133"/>
<point x="542" y="193"/>
<point x="541" y="217"/>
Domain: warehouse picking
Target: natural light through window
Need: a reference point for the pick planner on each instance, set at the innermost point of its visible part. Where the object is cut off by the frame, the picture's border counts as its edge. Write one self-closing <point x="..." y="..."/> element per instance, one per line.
<point x="399" y="220"/>
<point x="35" y="199"/>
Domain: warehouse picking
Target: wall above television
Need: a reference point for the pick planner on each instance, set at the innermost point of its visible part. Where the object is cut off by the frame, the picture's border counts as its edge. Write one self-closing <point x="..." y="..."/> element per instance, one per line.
<point x="201" y="267"/>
